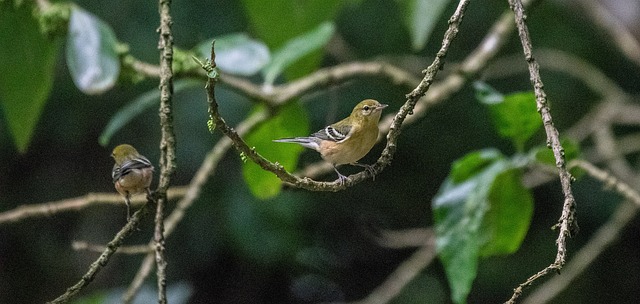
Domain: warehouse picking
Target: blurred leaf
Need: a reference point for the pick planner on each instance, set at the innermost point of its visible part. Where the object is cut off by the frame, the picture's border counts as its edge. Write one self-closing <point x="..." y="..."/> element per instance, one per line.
<point x="261" y="234"/>
<point x="91" y="52"/>
<point x="507" y="221"/>
<point x="237" y="53"/>
<point x="487" y="94"/>
<point x="138" y="106"/>
<point x="420" y="17"/>
<point x="28" y="61"/>
<point x="297" y="48"/>
<point x="472" y="163"/>
<point x="484" y="214"/>
<point x="515" y="115"/>
<point x="291" y="121"/>
<point x="97" y="297"/>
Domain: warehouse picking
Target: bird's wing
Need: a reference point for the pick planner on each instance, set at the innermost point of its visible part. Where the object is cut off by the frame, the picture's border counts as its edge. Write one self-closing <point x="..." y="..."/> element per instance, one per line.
<point x="335" y="133"/>
<point x="127" y="166"/>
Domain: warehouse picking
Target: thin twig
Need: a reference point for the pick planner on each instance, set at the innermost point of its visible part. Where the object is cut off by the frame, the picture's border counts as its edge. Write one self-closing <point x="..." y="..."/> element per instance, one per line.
<point x="76" y="204"/>
<point x="102" y="261"/>
<point x="606" y="235"/>
<point x="140" y="249"/>
<point x="608" y="180"/>
<point x="567" y="222"/>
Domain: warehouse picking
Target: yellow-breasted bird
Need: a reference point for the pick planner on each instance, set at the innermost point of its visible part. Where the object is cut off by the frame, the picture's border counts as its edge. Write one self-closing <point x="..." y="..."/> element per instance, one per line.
<point x="346" y="141"/>
<point x="132" y="173"/>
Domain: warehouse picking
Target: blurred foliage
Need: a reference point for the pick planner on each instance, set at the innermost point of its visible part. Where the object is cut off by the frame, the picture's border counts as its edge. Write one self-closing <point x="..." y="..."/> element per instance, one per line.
<point x="27" y="57"/>
<point x="295" y="246"/>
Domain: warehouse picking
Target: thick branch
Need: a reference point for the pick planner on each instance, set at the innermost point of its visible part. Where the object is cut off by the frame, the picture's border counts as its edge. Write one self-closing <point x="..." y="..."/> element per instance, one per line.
<point x="167" y="142"/>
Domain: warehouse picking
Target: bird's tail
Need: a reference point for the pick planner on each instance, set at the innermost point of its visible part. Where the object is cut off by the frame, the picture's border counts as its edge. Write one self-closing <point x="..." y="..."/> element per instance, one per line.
<point x="297" y="140"/>
<point x="307" y="142"/>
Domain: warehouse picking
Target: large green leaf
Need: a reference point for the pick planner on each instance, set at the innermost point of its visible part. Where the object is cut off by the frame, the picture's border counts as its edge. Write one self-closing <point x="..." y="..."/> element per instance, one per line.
<point x="91" y="52"/>
<point x="27" y="60"/>
<point x="237" y="53"/>
<point x="473" y="163"/>
<point x="507" y="221"/>
<point x="514" y="115"/>
<point x="420" y="17"/>
<point x="481" y="209"/>
<point x="291" y="121"/>
<point x="297" y="48"/>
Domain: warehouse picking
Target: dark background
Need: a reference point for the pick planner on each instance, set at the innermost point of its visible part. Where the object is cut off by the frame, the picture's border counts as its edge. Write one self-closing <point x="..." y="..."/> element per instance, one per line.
<point x="305" y="247"/>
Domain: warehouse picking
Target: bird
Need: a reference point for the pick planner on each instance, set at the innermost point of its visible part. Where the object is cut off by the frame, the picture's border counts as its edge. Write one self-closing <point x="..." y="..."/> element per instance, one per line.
<point x="132" y="173"/>
<point x="348" y="140"/>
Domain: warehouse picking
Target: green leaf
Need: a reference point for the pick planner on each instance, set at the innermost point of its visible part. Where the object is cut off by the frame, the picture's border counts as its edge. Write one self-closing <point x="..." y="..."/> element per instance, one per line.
<point x="514" y="116"/>
<point x="297" y="48"/>
<point x="507" y="221"/>
<point x="472" y="163"/>
<point x="237" y="54"/>
<point x="91" y="52"/>
<point x="481" y="209"/>
<point x="420" y="17"/>
<point x="28" y="62"/>
<point x="138" y="106"/>
<point x="291" y="121"/>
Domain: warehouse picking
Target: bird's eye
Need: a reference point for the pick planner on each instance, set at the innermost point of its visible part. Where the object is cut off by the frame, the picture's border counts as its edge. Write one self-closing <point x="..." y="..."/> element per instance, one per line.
<point x="366" y="108"/>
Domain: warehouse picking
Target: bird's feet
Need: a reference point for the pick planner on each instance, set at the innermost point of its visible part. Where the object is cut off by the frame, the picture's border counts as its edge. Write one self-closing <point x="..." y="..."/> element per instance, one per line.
<point x="341" y="178"/>
<point x="368" y="168"/>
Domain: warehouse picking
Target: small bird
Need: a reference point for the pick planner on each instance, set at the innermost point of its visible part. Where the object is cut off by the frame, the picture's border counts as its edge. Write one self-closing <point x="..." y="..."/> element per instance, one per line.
<point x="346" y="141"/>
<point x="132" y="173"/>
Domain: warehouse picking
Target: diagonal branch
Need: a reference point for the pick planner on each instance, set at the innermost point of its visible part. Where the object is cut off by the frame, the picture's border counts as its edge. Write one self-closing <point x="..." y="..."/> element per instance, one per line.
<point x="111" y="248"/>
<point x="567" y="222"/>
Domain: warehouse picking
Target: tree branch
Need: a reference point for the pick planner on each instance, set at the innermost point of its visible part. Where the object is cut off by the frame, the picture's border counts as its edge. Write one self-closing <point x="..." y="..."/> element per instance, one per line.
<point x="104" y="258"/>
<point x="567" y="222"/>
<point x="76" y="204"/>
<point x="167" y="142"/>
<point x="606" y="235"/>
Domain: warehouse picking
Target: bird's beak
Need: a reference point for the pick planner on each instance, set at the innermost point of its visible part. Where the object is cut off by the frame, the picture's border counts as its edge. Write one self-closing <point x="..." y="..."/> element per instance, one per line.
<point x="382" y="106"/>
